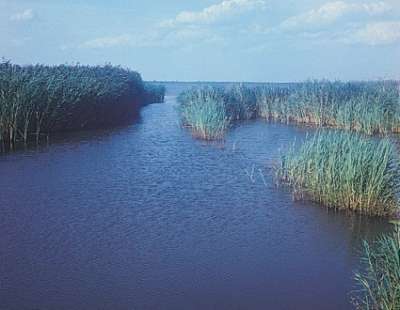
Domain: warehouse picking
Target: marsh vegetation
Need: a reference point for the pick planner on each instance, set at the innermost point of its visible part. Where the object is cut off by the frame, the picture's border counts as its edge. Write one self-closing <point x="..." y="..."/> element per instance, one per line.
<point x="344" y="170"/>
<point x="379" y="280"/>
<point x="366" y="107"/>
<point x="37" y="100"/>
<point x="205" y="112"/>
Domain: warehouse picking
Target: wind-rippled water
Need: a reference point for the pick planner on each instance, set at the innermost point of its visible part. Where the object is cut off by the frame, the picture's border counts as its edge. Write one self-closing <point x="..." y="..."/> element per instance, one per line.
<point x="145" y="217"/>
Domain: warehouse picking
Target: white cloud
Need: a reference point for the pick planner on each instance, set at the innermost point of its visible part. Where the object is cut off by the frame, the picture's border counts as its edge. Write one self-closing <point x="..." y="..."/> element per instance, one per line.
<point x="23" y="16"/>
<point x="373" y="8"/>
<point x="379" y="33"/>
<point x="187" y="28"/>
<point x="325" y="14"/>
<point x="188" y="35"/>
<point x="215" y="12"/>
<point x="331" y="12"/>
<point x="111" y="41"/>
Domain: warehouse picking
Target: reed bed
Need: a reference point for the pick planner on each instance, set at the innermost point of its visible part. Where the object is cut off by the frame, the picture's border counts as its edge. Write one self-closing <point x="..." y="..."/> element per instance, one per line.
<point x="153" y="93"/>
<point x="379" y="282"/>
<point x="205" y="113"/>
<point x="344" y="170"/>
<point x="366" y="107"/>
<point x="37" y="100"/>
<point x="240" y="102"/>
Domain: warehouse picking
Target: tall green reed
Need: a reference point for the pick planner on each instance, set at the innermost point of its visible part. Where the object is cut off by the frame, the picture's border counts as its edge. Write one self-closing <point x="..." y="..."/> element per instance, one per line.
<point x="37" y="100"/>
<point x="379" y="279"/>
<point x="240" y="102"/>
<point x="366" y="107"/>
<point x="344" y="170"/>
<point x="153" y="93"/>
<point x="204" y="112"/>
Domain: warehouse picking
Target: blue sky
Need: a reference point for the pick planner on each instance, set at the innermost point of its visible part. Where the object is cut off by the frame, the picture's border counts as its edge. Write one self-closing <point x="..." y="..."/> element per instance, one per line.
<point x="219" y="40"/>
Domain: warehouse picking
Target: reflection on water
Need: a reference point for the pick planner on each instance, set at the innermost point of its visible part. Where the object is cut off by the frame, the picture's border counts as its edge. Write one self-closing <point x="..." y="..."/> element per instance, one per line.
<point x="145" y="217"/>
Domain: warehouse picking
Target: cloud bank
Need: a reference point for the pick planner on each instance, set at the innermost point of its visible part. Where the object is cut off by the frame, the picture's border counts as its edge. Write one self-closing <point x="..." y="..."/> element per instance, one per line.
<point x="330" y="12"/>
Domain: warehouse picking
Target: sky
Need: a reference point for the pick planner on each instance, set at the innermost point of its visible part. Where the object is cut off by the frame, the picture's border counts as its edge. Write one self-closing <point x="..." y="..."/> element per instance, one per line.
<point x="210" y="40"/>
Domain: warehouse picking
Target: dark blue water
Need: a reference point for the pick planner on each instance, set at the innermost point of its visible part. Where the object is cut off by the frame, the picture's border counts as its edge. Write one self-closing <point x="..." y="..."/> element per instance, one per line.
<point x="145" y="217"/>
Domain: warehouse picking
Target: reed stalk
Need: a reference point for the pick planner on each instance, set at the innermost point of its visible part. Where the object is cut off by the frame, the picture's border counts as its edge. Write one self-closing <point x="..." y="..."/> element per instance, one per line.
<point x="344" y="170"/>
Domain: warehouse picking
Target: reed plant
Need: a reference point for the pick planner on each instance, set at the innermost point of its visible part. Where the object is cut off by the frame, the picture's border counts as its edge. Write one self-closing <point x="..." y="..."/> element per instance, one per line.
<point x="365" y="107"/>
<point x="240" y="102"/>
<point x="272" y="103"/>
<point x="379" y="280"/>
<point x="344" y="170"/>
<point x="204" y="112"/>
<point x="153" y="93"/>
<point x="37" y="100"/>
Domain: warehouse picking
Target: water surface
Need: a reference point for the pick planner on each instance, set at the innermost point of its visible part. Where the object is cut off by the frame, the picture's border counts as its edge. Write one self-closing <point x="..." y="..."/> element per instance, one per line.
<point x="145" y="217"/>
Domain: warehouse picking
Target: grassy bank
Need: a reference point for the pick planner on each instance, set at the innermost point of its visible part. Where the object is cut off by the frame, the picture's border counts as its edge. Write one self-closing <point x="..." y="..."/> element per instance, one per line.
<point x="379" y="281"/>
<point x="344" y="170"/>
<point x="367" y="107"/>
<point x="38" y="100"/>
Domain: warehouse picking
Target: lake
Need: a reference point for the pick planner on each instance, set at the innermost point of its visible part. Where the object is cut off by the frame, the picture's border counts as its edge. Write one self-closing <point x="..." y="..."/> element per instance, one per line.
<point x="146" y="217"/>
